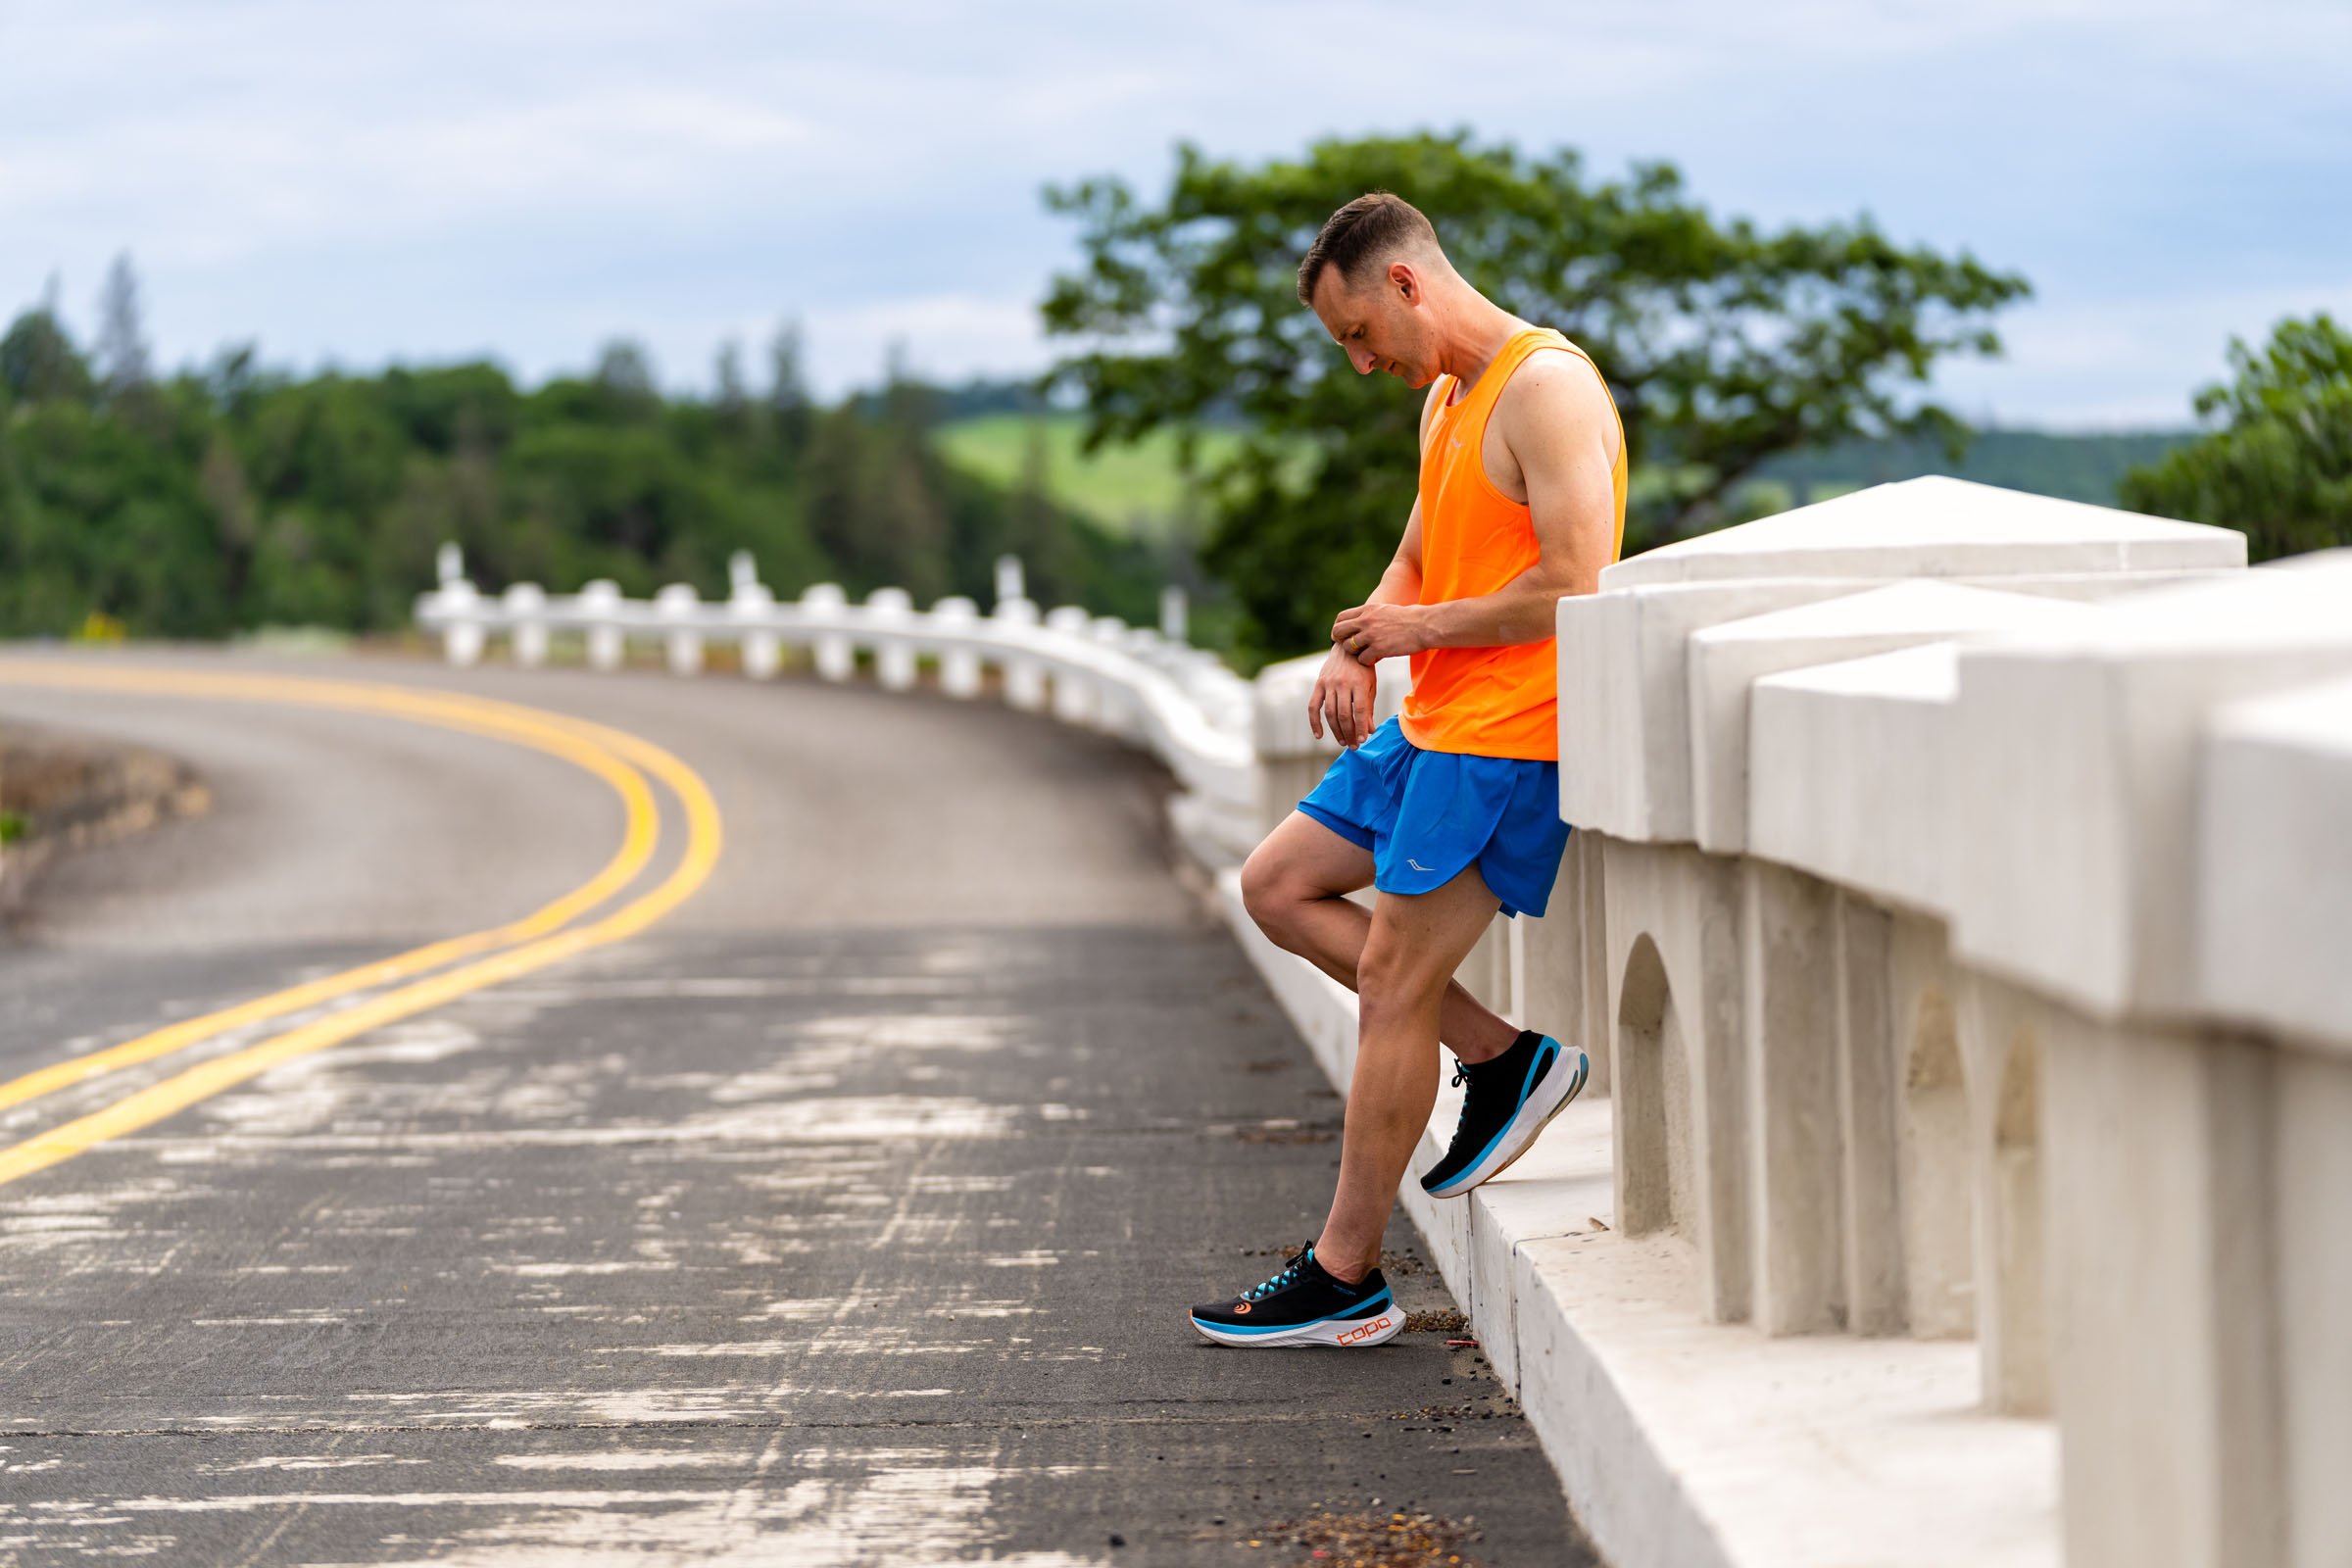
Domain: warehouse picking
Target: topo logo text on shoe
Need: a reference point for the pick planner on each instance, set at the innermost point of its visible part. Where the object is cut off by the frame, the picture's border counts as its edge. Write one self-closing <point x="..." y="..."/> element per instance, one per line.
<point x="1363" y="1330"/>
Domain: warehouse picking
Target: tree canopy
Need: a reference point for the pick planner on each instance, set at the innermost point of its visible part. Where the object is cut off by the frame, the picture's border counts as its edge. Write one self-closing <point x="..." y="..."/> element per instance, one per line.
<point x="1724" y="343"/>
<point x="2278" y="466"/>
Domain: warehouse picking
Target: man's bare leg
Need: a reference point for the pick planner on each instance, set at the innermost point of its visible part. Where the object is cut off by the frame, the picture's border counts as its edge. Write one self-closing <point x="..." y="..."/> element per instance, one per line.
<point x="1415" y="944"/>
<point x="1294" y="887"/>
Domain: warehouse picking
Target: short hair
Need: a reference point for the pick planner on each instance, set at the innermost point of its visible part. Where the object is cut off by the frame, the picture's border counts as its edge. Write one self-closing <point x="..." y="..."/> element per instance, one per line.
<point x="1368" y="229"/>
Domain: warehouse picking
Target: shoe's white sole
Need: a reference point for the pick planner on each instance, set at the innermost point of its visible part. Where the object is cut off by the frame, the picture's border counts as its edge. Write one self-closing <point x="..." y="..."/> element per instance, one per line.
<point x="1520" y="1136"/>
<point x="1345" y="1333"/>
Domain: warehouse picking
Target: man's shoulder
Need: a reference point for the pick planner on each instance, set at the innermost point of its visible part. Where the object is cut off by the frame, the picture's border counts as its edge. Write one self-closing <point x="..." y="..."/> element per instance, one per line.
<point x="1556" y="386"/>
<point x="1552" y="371"/>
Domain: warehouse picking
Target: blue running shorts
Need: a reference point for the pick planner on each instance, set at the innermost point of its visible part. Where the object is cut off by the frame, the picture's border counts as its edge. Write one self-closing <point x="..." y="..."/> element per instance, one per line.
<point x="1425" y="816"/>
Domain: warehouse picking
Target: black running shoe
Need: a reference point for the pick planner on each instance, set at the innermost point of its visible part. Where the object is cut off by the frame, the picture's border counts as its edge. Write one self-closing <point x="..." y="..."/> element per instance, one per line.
<point x="1507" y="1103"/>
<point x="1304" y="1305"/>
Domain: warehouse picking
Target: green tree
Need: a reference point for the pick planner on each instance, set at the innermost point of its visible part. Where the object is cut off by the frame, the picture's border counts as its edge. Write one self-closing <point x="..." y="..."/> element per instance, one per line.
<point x="788" y="399"/>
<point x="2278" y="466"/>
<point x="122" y="354"/>
<point x="1723" y="343"/>
<point x="234" y="496"/>
<point x="39" y="361"/>
<point x="625" y="376"/>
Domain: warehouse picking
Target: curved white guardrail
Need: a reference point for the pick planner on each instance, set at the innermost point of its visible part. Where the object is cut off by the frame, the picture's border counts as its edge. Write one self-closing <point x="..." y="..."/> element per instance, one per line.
<point x="1143" y="684"/>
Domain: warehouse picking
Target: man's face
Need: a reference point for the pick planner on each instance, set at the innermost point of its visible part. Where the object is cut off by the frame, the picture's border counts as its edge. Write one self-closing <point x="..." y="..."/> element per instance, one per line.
<point x="1380" y="326"/>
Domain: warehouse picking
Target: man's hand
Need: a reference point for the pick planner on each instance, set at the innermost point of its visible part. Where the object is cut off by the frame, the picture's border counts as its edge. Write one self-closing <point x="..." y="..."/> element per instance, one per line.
<point x="1370" y="633"/>
<point x="1343" y="698"/>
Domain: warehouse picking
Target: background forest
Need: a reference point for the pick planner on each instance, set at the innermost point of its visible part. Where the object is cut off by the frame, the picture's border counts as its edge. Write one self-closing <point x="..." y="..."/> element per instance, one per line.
<point x="237" y="496"/>
<point x="1199" y="429"/>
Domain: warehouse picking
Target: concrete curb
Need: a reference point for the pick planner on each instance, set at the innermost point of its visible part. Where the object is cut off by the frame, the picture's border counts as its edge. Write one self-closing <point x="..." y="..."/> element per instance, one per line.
<point x="1682" y="1443"/>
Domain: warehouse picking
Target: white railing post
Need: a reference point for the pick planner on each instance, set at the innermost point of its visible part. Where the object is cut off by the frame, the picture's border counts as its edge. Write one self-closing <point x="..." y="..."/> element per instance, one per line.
<point x="958" y="660"/>
<point x="599" y="605"/>
<point x="461" y="604"/>
<point x="1114" y="711"/>
<point x="1073" y="693"/>
<point x="891" y="612"/>
<point x="836" y="653"/>
<point x="1024" y="675"/>
<point x="1010" y="584"/>
<point x="749" y="602"/>
<point x="679" y="607"/>
<point x="526" y="606"/>
<point x="449" y="565"/>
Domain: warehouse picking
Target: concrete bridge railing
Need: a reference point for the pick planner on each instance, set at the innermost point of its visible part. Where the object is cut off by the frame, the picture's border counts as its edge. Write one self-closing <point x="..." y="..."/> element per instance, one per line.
<point x="1142" y="683"/>
<point x="1960" y="921"/>
<point x="1975" y="905"/>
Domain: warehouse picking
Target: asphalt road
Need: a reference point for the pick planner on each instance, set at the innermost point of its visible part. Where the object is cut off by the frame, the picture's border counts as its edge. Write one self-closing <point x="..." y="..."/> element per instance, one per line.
<point x="846" y="1216"/>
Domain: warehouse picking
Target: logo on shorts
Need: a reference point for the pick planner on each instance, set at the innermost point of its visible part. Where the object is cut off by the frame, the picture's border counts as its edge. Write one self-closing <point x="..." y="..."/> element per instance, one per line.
<point x="1417" y="865"/>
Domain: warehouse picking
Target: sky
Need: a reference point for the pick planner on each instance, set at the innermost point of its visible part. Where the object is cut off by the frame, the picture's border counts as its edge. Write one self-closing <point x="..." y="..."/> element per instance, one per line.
<point x="365" y="182"/>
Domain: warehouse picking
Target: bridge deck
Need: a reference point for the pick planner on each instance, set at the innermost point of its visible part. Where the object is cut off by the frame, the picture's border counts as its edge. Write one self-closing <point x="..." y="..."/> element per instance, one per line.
<point x="836" y="1220"/>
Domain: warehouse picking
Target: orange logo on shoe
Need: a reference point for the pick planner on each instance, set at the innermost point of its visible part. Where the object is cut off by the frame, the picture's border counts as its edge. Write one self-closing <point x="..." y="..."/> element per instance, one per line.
<point x="1365" y="1331"/>
<point x="1241" y="1308"/>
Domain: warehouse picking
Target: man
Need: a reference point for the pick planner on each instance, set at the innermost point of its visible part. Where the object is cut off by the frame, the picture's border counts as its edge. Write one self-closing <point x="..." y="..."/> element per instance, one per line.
<point x="1451" y="810"/>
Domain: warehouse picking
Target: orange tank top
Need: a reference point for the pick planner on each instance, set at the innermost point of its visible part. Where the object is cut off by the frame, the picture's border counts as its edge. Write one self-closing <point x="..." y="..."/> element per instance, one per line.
<point x="1486" y="701"/>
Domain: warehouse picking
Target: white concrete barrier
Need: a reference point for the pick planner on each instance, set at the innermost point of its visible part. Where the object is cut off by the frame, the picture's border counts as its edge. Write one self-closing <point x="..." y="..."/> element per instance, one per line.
<point x="676" y="606"/>
<point x="600" y="609"/>
<point x="752" y="604"/>
<point x="526" y="606"/>
<point x="890" y="620"/>
<point x="825" y="611"/>
<point x="1957" y="918"/>
<point x="959" y="619"/>
<point x="1179" y="703"/>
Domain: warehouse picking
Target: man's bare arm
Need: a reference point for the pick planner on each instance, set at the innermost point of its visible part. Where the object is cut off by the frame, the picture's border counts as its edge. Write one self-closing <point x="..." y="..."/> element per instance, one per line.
<point x="1344" y="689"/>
<point x="1562" y="432"/>
<point x="1400" y="584"/>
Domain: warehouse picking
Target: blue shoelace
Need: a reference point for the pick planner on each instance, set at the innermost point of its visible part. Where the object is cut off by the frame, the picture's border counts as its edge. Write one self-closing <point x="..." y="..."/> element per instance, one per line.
<point x="1282" y="1280"/>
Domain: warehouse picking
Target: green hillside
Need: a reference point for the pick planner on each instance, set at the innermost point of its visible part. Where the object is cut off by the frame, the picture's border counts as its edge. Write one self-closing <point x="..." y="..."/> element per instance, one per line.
<point x="2073" y="468"/>
<point x="1130" y="490"/>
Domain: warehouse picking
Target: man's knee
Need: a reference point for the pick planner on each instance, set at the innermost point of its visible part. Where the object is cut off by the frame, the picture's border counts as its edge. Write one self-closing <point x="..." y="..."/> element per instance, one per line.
<point x="1394" y="977"/>
<point x="1269" y="890"/>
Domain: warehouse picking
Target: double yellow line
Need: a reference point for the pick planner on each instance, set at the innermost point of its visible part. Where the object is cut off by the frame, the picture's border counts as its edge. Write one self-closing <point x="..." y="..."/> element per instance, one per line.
<point x="543" y="937"/>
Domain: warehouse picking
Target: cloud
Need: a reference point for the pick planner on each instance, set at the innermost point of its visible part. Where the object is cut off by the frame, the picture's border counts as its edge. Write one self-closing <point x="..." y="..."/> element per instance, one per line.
<point x="2130" y="362"/>
<point x="948" y="337"/>
<point x="374" y="180"/>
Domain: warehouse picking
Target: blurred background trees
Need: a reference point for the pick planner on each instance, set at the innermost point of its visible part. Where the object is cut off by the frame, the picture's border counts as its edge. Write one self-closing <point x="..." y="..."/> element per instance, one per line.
<point x="1724" y="344"/>
<point x="2278" y="462"/>
<point x="236" y="496"/>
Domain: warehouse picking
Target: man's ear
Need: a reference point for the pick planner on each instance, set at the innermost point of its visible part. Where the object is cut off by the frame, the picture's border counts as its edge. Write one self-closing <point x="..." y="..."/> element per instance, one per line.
<point x="1403" y="280"/>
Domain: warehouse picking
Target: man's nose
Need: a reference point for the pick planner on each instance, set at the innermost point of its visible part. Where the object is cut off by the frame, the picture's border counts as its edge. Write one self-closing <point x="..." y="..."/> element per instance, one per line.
<point x="1363" y="360"/>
